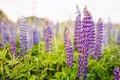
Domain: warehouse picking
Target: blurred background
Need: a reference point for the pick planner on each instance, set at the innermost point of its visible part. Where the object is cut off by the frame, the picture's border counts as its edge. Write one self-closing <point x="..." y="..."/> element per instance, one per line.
<point x="61" y="13"/>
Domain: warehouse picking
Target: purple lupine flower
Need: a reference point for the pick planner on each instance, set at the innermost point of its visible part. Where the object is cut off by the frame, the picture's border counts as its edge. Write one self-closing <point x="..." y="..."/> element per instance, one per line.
<point x="12" y="40"/>
<point x="116" y="74"/>
<point x="30" y="37"/>
<point x="48" y="37"/>
<point x="36" y="37"/>
<point x="91" y="34"/>
<point x="68" y="48"/>
<point x="77" y="29"/>
<point x="118" y="39"/>
<point x="85" y="40"/>
<point x="5" y="36"/>
<point x="98" y="44"/>
<point x="23" y="36"/>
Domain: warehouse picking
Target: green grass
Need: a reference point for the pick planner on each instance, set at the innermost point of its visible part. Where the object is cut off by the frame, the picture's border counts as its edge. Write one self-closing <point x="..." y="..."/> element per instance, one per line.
<point x="40" y="65"/>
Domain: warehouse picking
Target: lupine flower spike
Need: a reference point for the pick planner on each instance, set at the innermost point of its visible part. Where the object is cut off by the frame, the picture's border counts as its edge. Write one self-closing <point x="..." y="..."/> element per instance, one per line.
<point x="83" y="48"/>
<point x="23" y="37"/>
<point x="48" y="36"/>
<point x="36" y="37"/>
<point x="98" y="44"/>
<point x="118" y="39"/>
<point x="68" y="48"/>
<point x="30" y="37"/>
<point x="5" y="36"/>
<point x="77" y="28"/>
<point x="116" y="74"/>
<point x="12" y="40"/>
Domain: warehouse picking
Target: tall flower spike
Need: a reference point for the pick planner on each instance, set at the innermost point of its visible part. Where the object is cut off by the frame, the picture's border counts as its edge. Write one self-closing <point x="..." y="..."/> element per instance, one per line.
<point x="12" y="40"/>
<point x="98" y="44"/>
<point x="118" y="39"/>
<point x="68" y="48"/>
<point x="30" y="36"/>
<point x="5" y="36"/>
<point x="116" y="74"/>
<point x="36" y="37"/>
<point x="48" y="36"/>
<point x="91" y="34"/>
<point x="23" y="36"/>
<point x="77" y="28"/>
<point x="86" y="38"/>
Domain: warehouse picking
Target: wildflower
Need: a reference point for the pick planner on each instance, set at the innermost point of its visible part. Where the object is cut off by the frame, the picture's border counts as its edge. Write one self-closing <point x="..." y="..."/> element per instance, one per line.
<point x="30" y="37"/>
<point x="68" y="48"/>
<point x="36" y="37"/>
<point x="98" y="43"/>
<point x="86" y="41"/>
<point x="77" y="29"/>
<point x="116" y="74"/>
<point x="23" y="36"/>
<point x="5" y="36"/>
<point x="118" y="39"/>
<point x="12" y="40"/>
<point x="48" y="37"/>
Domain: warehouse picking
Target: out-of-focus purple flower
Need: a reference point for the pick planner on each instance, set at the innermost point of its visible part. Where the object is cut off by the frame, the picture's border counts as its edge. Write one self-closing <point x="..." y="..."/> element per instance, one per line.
<point x="118" y="40"/>
<point x="23" y="36"/>
<point x="68" y="48"/>
<point x="36" y="37"/>
<point x="98" y="44"/>
<point x="5" y="36"/>
<point x="48" y="37"/>
<point x="77" y="29"/>
<point x="12" y="41"/>
<point x="116" y="74"/>
<point x="30" y="37"/>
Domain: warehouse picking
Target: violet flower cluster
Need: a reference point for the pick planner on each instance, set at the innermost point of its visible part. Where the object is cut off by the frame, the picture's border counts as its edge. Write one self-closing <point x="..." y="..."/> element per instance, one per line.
<point x="23" y="36"/>
<point x="30" y="37"/>
<point x="5" y="36"/>
<point x="77" y="29"/>
<point x="48" y="36"/>
<point x="36" y="37"/>
<point x="118" y="39"/>
<point x="98" y="43"/>
<point x="68" y="48"/>
<point x="116" y="74"/>
<point x="86" y="43"/>
<point x="12" y="41"/>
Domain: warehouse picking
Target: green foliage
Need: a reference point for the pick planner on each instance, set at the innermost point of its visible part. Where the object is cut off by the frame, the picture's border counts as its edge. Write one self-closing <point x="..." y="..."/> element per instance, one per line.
<point x="38" y="64"/>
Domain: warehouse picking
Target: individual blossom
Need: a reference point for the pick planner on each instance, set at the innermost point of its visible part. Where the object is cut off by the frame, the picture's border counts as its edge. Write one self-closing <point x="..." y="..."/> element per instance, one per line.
<point x="23" y="36"/>
<point x="98" y="43"/>
<point x="68" y="48"/>
<point x="118" y="39"/>
<point x="116" y="74"/>
<point x="77" y="29"/>
<point x="48" y="36"/>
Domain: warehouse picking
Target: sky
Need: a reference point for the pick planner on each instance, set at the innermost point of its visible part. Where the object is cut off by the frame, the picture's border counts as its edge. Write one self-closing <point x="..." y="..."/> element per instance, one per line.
<point x="61" y="10"/>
